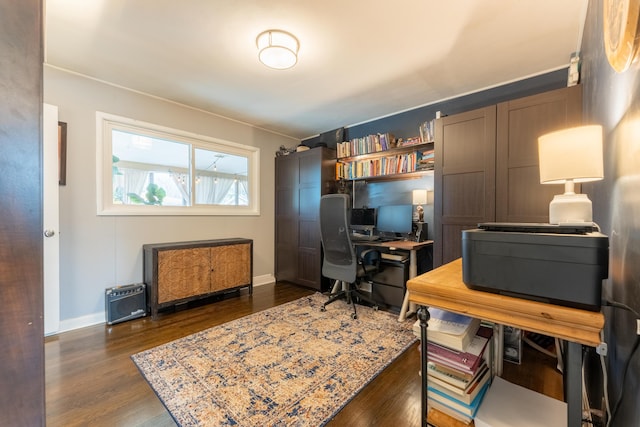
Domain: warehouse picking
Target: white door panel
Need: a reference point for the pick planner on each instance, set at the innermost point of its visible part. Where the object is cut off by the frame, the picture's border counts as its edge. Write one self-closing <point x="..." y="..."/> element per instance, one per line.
<point x="50" y="232"/>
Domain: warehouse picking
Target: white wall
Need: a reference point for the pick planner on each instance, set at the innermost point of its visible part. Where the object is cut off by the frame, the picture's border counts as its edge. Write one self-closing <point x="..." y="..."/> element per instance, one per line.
<point x="97" y="252"/>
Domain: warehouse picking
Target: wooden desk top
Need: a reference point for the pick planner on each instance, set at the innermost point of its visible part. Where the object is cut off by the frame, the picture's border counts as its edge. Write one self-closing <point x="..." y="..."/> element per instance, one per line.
<point x="406" y="245"/>
<point x="444" y="288"/>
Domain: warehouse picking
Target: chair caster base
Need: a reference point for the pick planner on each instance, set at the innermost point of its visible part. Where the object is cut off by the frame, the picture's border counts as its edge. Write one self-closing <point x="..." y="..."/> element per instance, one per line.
<point x="354" y="316"/>
<point x="323" y="309"/>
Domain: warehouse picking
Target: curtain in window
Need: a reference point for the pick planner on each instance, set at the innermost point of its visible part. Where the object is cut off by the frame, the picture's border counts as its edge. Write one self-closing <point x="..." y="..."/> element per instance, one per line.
<point x="133" y="182"/>
<point x="219" y="191"/>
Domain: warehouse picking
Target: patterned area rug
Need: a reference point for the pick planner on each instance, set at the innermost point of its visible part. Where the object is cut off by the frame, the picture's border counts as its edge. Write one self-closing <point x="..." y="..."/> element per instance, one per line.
<point x="291" y="365"/>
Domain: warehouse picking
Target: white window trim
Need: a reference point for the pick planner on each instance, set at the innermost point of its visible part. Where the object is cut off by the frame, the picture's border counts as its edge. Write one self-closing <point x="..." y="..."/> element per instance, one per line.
<point x="104" y="186"/>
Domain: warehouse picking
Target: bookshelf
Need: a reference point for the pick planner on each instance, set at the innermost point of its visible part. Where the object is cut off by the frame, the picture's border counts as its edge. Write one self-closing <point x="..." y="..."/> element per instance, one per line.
<point x="405" y="161"/>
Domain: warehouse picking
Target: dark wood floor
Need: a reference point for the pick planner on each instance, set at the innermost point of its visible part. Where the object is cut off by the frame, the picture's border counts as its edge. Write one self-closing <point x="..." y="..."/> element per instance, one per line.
<point x="91" y="380"/>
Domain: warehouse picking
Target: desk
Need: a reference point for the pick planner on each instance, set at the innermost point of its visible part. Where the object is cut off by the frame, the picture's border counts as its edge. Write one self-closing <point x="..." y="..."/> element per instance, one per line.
<point x="443" y="288"/>
<point x="405" y="245"/>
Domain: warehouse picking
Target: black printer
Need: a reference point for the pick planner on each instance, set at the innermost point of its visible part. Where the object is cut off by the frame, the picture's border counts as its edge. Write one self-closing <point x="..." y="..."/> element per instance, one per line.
<point x="562" y="265"/>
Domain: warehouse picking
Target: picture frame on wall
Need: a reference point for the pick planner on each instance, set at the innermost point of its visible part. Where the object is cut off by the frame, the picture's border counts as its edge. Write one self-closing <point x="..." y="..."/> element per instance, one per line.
<point x="62" y="153"/>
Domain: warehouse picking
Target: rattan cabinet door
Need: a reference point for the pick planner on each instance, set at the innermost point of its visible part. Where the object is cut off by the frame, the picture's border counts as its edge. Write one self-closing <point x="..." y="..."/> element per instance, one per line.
<point x="183" y="273"/>
<point x="230" y="266"/>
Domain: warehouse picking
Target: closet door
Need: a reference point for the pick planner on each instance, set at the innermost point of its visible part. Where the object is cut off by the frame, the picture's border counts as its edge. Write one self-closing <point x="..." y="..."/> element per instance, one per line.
<point x="519" y="195"/>
<point x="464" y="178"/>
<point x="301" y="179"/>
<point x="286" y="241"/>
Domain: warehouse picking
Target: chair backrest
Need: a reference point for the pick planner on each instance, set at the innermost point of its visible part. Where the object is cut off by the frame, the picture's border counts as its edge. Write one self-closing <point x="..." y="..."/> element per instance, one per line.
<point x="339" y="262"/>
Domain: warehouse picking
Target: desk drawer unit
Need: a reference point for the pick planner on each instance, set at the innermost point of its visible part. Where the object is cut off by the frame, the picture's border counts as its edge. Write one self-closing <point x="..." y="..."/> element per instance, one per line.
<point x="389" y="283"/>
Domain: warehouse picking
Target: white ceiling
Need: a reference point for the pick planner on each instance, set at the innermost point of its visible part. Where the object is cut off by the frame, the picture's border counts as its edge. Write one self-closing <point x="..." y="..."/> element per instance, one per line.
<point x="359" y="59"/>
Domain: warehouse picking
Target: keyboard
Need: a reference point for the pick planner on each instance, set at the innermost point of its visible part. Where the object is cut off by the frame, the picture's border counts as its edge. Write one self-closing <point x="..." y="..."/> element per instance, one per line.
<point x="363" y="238"/>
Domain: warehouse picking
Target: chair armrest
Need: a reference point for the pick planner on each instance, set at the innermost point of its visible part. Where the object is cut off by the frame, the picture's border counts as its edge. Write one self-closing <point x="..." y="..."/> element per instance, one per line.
<point x="370" y="256"/>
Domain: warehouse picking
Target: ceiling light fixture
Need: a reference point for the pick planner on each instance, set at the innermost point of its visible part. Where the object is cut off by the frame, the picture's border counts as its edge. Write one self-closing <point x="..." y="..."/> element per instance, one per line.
<point x="277" y="49"/>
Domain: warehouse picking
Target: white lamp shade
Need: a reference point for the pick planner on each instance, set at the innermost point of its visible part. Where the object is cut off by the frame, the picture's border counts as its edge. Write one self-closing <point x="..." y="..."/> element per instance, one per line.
<point x="277" y="49"/>
<point x="419" y="197"/>
<point x="571" y="154"/>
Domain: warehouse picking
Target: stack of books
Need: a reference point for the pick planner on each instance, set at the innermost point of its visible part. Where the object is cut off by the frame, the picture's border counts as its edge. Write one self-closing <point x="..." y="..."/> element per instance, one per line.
<point x="426" y="160"/>
<point x="458" y="372"/>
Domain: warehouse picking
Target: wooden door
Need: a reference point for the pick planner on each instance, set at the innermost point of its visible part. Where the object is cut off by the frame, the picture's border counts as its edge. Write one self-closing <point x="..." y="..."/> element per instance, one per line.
<point x="309" y="242"/>
<point x="464" y="178"/>
<point x="519" y="195"/>
<point x="230" y="266"/>
<point x="286" y="217"/>
<point x="183" y="273"/>
<point x="22" y="400"/>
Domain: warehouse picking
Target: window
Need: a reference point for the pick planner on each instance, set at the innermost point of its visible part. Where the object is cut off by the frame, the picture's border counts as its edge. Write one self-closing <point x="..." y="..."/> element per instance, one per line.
<point x="146" y="169"/>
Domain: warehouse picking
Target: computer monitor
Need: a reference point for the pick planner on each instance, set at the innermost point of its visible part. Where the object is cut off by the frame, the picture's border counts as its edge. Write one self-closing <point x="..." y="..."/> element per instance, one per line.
<point x="396" y="219"/>
<point x="363" y="218"/>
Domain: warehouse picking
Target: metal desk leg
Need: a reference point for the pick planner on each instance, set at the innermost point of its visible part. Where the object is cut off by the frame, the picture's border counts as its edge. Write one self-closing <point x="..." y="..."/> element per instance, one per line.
<point x="423" y="316"/>
<point x="573" y="385"/>
<point x="408" y="308"/>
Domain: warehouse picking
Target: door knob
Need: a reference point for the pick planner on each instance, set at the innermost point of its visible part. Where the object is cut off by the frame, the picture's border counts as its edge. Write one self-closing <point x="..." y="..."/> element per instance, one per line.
<point x="49" y="233"/>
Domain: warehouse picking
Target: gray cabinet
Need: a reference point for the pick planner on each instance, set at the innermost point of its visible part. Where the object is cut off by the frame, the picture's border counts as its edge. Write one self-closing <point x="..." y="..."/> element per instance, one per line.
<point x="486" y="165"/>
<point x="301" y="180"/>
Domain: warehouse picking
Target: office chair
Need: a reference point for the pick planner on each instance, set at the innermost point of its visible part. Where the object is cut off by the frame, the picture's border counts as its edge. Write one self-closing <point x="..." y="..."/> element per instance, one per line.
<point x="341" y="262"/>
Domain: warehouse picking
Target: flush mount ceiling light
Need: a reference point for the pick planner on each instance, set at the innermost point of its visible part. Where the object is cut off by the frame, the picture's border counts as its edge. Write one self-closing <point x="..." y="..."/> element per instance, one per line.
<point x="277" y="49"/>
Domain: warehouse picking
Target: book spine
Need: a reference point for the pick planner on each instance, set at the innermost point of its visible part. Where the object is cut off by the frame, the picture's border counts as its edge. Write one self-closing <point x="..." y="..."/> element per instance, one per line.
<point x="452" y="376"/>
<point x="463" y="361"/>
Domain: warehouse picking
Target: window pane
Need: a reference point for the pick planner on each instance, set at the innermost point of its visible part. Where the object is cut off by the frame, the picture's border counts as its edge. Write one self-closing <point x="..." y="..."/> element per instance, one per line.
<point x="221" y="178"/>
<point x="149" y="171"/>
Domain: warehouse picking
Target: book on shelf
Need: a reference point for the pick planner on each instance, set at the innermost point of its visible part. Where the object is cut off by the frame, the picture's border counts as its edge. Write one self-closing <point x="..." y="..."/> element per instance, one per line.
<point x="453" y="376"/>
<point x="365" y="145"/>
<point x="425" y="159"/>
<point x="449" y="329"/>
<point x="452" y="413"/>
<point x="465" y="395"/>
<point x="467" y="361"/>
<point x="427" y="131"/>
<point x="387" y="165"/>
<point x="468" y="409"/>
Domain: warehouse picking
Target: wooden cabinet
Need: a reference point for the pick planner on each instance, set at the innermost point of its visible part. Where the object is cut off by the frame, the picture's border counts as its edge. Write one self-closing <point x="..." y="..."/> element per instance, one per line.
<point x="180" y="272"/>
<point x="519" y="195"/>
<point x="301" y="180"/>
<point x="464" y="181"/>
<point x="486" y="165"/>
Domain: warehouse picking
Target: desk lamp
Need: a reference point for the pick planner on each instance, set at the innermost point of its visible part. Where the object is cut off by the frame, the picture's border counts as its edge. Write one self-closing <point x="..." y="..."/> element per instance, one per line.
<point x="420" y="198"/>
<point x="570" y="156"/>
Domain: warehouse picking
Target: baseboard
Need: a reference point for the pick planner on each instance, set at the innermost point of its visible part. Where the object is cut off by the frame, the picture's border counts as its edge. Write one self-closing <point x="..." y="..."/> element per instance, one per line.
<point x="81" y="322"/>
<point x="97" y="318"/>
<point x="265" y="279"/>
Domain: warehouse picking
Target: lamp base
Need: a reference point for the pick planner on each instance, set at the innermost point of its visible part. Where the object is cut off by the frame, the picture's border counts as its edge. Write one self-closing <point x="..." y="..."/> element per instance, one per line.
<point x="570" y="209"/>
